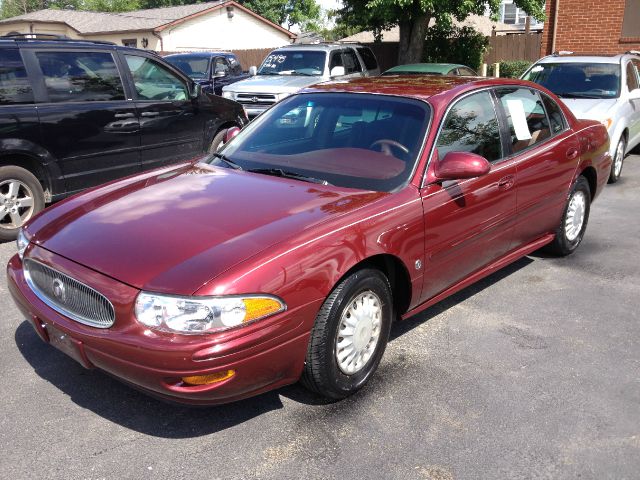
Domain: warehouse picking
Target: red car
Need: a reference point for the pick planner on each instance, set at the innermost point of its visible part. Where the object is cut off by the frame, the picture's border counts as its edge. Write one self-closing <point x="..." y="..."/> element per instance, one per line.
<point x="289" y="254"/>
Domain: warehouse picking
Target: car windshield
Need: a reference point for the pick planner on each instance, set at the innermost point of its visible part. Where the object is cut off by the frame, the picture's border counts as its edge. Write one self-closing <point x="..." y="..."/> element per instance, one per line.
<point x="362" y="141"/>
<point x="195" y="67"/>
<point x="289" y="62"/>
<point x="578" y="80"/>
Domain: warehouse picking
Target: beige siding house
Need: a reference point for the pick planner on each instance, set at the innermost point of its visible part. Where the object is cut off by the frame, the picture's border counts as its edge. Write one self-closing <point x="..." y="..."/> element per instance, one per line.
<point x="224" y="25"/>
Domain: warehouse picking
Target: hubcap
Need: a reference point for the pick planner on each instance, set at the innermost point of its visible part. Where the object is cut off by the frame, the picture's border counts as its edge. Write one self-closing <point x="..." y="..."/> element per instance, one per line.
<point x="575" y="215"/>
<point x="16" y="204"/>
<point x="617" y="162"/>
<point x="358" y="332"/>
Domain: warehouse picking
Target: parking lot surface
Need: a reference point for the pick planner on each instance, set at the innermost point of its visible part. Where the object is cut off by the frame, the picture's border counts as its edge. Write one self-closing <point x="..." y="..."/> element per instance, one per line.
<point x="532" y="373"/>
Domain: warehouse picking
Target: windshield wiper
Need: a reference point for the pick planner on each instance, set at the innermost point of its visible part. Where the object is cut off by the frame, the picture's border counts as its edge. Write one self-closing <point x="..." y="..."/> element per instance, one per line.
<point x="305" y="74"/>
<point x="227" y="160"/>
<point x="578" y="95"/>
<point x="278" y="172"/>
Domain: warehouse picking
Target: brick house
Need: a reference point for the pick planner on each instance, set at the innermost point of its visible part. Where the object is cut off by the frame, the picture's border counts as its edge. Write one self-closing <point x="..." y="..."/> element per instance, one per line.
<point x="591" y="26"/>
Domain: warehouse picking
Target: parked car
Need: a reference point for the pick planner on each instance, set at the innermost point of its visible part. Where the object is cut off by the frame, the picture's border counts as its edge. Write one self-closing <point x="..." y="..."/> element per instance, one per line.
<point x="75" y="114"/>
<point x="212" y="70"/>
<point x="600" y="87"/>
<point x="431" y="69"/>
<point x="289" y="69"/>
<point x="288" y="254"/>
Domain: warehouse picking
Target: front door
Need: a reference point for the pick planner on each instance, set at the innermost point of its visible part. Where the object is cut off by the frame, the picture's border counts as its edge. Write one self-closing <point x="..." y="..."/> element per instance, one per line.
<point x="171" y="122"/>
<point x="468" y="223"/>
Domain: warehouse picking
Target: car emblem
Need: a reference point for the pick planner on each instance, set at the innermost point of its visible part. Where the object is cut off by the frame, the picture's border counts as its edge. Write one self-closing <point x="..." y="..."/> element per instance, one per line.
<point x="254" y="99"/>
<point x="59" y="290"/>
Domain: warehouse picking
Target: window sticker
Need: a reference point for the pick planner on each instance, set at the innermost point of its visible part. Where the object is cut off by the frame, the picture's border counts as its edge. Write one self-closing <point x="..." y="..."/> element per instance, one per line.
<point x="519" y="119"/>
<point x="537" y="68"/>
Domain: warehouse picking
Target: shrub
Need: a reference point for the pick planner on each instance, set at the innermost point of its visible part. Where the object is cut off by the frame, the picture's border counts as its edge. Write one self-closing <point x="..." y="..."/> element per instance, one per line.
<point x="511" y="69"/>
<point x="450" y="44"/>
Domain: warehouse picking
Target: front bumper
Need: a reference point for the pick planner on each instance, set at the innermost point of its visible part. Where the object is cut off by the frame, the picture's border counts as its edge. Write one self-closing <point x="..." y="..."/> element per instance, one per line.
<point x="268" y="355"/>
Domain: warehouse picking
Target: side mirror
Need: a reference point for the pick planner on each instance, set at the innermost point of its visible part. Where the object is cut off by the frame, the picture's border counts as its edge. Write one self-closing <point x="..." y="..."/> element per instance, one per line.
<point x="220" y="74"/>
<point x="195" y="90"/>
<point x="337" y="72"/>
<point x="461" y="165"/>
<point x="253" y="70"/>
<point x="634" y="94"/>
<point x="230" y="133"/>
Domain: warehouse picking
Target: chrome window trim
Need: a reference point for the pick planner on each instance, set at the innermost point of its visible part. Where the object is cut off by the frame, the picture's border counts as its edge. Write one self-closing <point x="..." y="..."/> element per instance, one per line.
<point x="58" y="308"/>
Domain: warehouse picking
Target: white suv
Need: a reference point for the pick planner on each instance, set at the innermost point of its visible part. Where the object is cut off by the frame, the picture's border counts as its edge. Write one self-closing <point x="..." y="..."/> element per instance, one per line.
<point x="597" y="87"/>
<point x="289" y="69"/>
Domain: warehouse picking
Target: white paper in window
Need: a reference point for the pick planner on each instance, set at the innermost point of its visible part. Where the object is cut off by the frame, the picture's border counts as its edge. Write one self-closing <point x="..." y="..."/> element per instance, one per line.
<point x="519" y="119"/>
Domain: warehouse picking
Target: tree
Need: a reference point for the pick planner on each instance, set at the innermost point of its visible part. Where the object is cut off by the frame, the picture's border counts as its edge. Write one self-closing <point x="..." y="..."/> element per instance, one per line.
<point x="413" y="17"/>
<point x="305" y="13"/>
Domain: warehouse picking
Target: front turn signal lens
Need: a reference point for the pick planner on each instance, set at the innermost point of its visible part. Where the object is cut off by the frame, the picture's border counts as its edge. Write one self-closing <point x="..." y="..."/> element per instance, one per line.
<point x="260" y="307"/>
<point x="607" y="123"/>
<point x="210" y="378"/>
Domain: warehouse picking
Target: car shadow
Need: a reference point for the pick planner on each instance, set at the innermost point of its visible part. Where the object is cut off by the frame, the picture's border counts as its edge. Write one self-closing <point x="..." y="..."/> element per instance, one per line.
<point x="121" y="404"/>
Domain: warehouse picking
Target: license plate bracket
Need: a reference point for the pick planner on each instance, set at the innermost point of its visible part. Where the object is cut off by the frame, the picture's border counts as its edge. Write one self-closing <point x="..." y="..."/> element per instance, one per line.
<point x="68" y="345"/>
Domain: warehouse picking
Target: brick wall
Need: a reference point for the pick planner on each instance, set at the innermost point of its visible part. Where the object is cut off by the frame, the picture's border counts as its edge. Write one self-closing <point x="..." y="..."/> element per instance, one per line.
<point x="587" y="26"/>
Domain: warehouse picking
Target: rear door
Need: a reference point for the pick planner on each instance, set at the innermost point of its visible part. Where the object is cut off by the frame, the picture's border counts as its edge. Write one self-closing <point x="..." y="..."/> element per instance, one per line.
<point x="633" y="83"/>
<point x="86" y="122"/>
<point x="468" y="223"/>
<point x="171" y="122"/>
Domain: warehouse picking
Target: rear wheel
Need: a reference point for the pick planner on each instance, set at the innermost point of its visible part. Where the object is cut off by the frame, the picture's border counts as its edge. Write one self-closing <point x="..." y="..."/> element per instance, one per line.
<point x="350" y="335"/>
<point x="217" y="142"/>
<point x="618" y="160"/>
<point x="574" y="220"/>
<point x="21" y="197"/>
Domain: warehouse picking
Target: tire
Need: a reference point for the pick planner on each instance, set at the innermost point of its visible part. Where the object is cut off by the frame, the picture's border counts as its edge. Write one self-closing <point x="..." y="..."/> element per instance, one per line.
<point x="618" y="160"/>
<point x="324" y="372"/>
<point x="21" y="197"/>
<point x="571" y="230"/>
<point x="218" y="141"/>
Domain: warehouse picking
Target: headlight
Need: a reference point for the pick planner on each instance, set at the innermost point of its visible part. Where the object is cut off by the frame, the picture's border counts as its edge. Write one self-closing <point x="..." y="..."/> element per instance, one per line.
<point x="194" y="315"/>
<point x="22" y="242"/>
<point x="228" y="95"/>
<point x="607" y="123"/>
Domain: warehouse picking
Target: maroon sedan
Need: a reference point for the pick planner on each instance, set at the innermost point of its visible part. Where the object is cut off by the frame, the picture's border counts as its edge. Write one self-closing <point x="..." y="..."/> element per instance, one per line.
<point x="289" y="254"/>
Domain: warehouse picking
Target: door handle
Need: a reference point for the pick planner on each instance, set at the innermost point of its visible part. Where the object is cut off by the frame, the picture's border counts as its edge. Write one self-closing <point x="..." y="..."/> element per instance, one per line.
<point x="124" y="115"/>
<point x="505" y="183"/>
<point x="149" y="114"/>
<point x="572" y="153"/>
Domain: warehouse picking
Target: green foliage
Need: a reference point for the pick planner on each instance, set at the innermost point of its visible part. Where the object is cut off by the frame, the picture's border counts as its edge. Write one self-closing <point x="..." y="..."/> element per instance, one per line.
<point x="11" y="8"/>
<point x="446" y="44"/>
<point x="511" y="69"/>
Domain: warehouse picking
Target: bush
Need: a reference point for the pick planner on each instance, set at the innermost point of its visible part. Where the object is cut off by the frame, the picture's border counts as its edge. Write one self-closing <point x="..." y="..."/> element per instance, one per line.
<point x="511" y="69"/>
<point x="450" y="44"/>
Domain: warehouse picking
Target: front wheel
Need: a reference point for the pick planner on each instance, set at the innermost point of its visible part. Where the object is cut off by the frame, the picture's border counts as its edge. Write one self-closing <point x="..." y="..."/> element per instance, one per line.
<point x="574" y="220"/>
<point x="21" y="197"/>
<point x="618" y="160"/>
<point x="217" y="142"/>
<point x="350" y="335"/>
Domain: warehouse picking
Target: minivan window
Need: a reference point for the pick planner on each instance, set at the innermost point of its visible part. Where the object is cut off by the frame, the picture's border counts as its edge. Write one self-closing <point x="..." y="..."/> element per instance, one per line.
<point x="526" y="118"/>
<point x="155" y="82"/>
<point x="351" y="63"/>
<point x="14" y="84"/>
<point x="368" y="58"/>
<point x="632" y="81"/>
<point x="80" y="76"/>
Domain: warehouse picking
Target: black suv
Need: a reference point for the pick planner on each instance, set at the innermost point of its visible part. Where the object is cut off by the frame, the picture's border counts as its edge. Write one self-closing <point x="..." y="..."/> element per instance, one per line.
<point x="75" y="114"/>
<point x="212" y="70"/>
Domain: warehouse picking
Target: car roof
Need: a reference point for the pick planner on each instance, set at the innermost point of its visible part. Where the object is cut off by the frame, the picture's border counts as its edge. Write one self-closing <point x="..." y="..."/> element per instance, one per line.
<point x="318" y="46"/>
<point x="199" y="54"/>
<point x="573" y="58"/>
<point x="425" y="67"/>
<point x="412" y="86"/>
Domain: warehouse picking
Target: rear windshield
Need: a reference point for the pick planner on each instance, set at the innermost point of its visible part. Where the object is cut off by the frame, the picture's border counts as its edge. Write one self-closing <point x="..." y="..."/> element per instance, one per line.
<point x="193" y="67"/>
<point x="289" y="62"/>
<point x="578" y="80"/>
<point x="360" y="141"/>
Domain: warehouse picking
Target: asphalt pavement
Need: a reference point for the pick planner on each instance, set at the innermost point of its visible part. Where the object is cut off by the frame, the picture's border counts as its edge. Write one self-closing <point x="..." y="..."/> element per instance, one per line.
<point x="532" y="373"/>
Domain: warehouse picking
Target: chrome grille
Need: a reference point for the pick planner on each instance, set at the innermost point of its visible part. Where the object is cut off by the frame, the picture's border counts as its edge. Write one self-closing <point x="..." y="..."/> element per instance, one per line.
<point x="256" y="99"/>
<point x="68" y="296"/>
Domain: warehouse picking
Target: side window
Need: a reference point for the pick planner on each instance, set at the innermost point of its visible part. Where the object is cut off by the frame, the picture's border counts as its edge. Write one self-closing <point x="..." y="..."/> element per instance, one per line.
<point x="526" y="118"/>
<point x="471" y="126"/>
<point x="368" y="58"/>
<point x="80" y="76"/>
<point x="632" y="79"/>
<point x="336" y="59"/>
<point x="155" y="82"/>
<point x="351" y="62"/>
<point x="14" y="84"/>
<point x="466" y="72"/>
<point x="236" y="69"/>
<point x="221" y="67"/>
<point x="556" y="117"/>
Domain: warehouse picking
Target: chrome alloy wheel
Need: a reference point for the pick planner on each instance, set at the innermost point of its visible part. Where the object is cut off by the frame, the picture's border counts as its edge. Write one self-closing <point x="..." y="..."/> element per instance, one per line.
<point x="358" y="332"/>
<point x="617" y="161"/>
<point x="575" y="215"/>
<point x="16" y="204"/>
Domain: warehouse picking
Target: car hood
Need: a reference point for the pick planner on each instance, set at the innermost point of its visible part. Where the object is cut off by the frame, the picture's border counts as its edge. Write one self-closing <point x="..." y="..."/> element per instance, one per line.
<point x="173" y="231"/>
<point x="273" y="83"/>
<point x="590" y="108"/>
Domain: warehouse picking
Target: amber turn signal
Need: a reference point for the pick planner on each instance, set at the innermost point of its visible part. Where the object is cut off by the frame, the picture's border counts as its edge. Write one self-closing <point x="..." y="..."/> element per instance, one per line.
<point x="210" y="378"/>
<point x="258" y="307"/>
